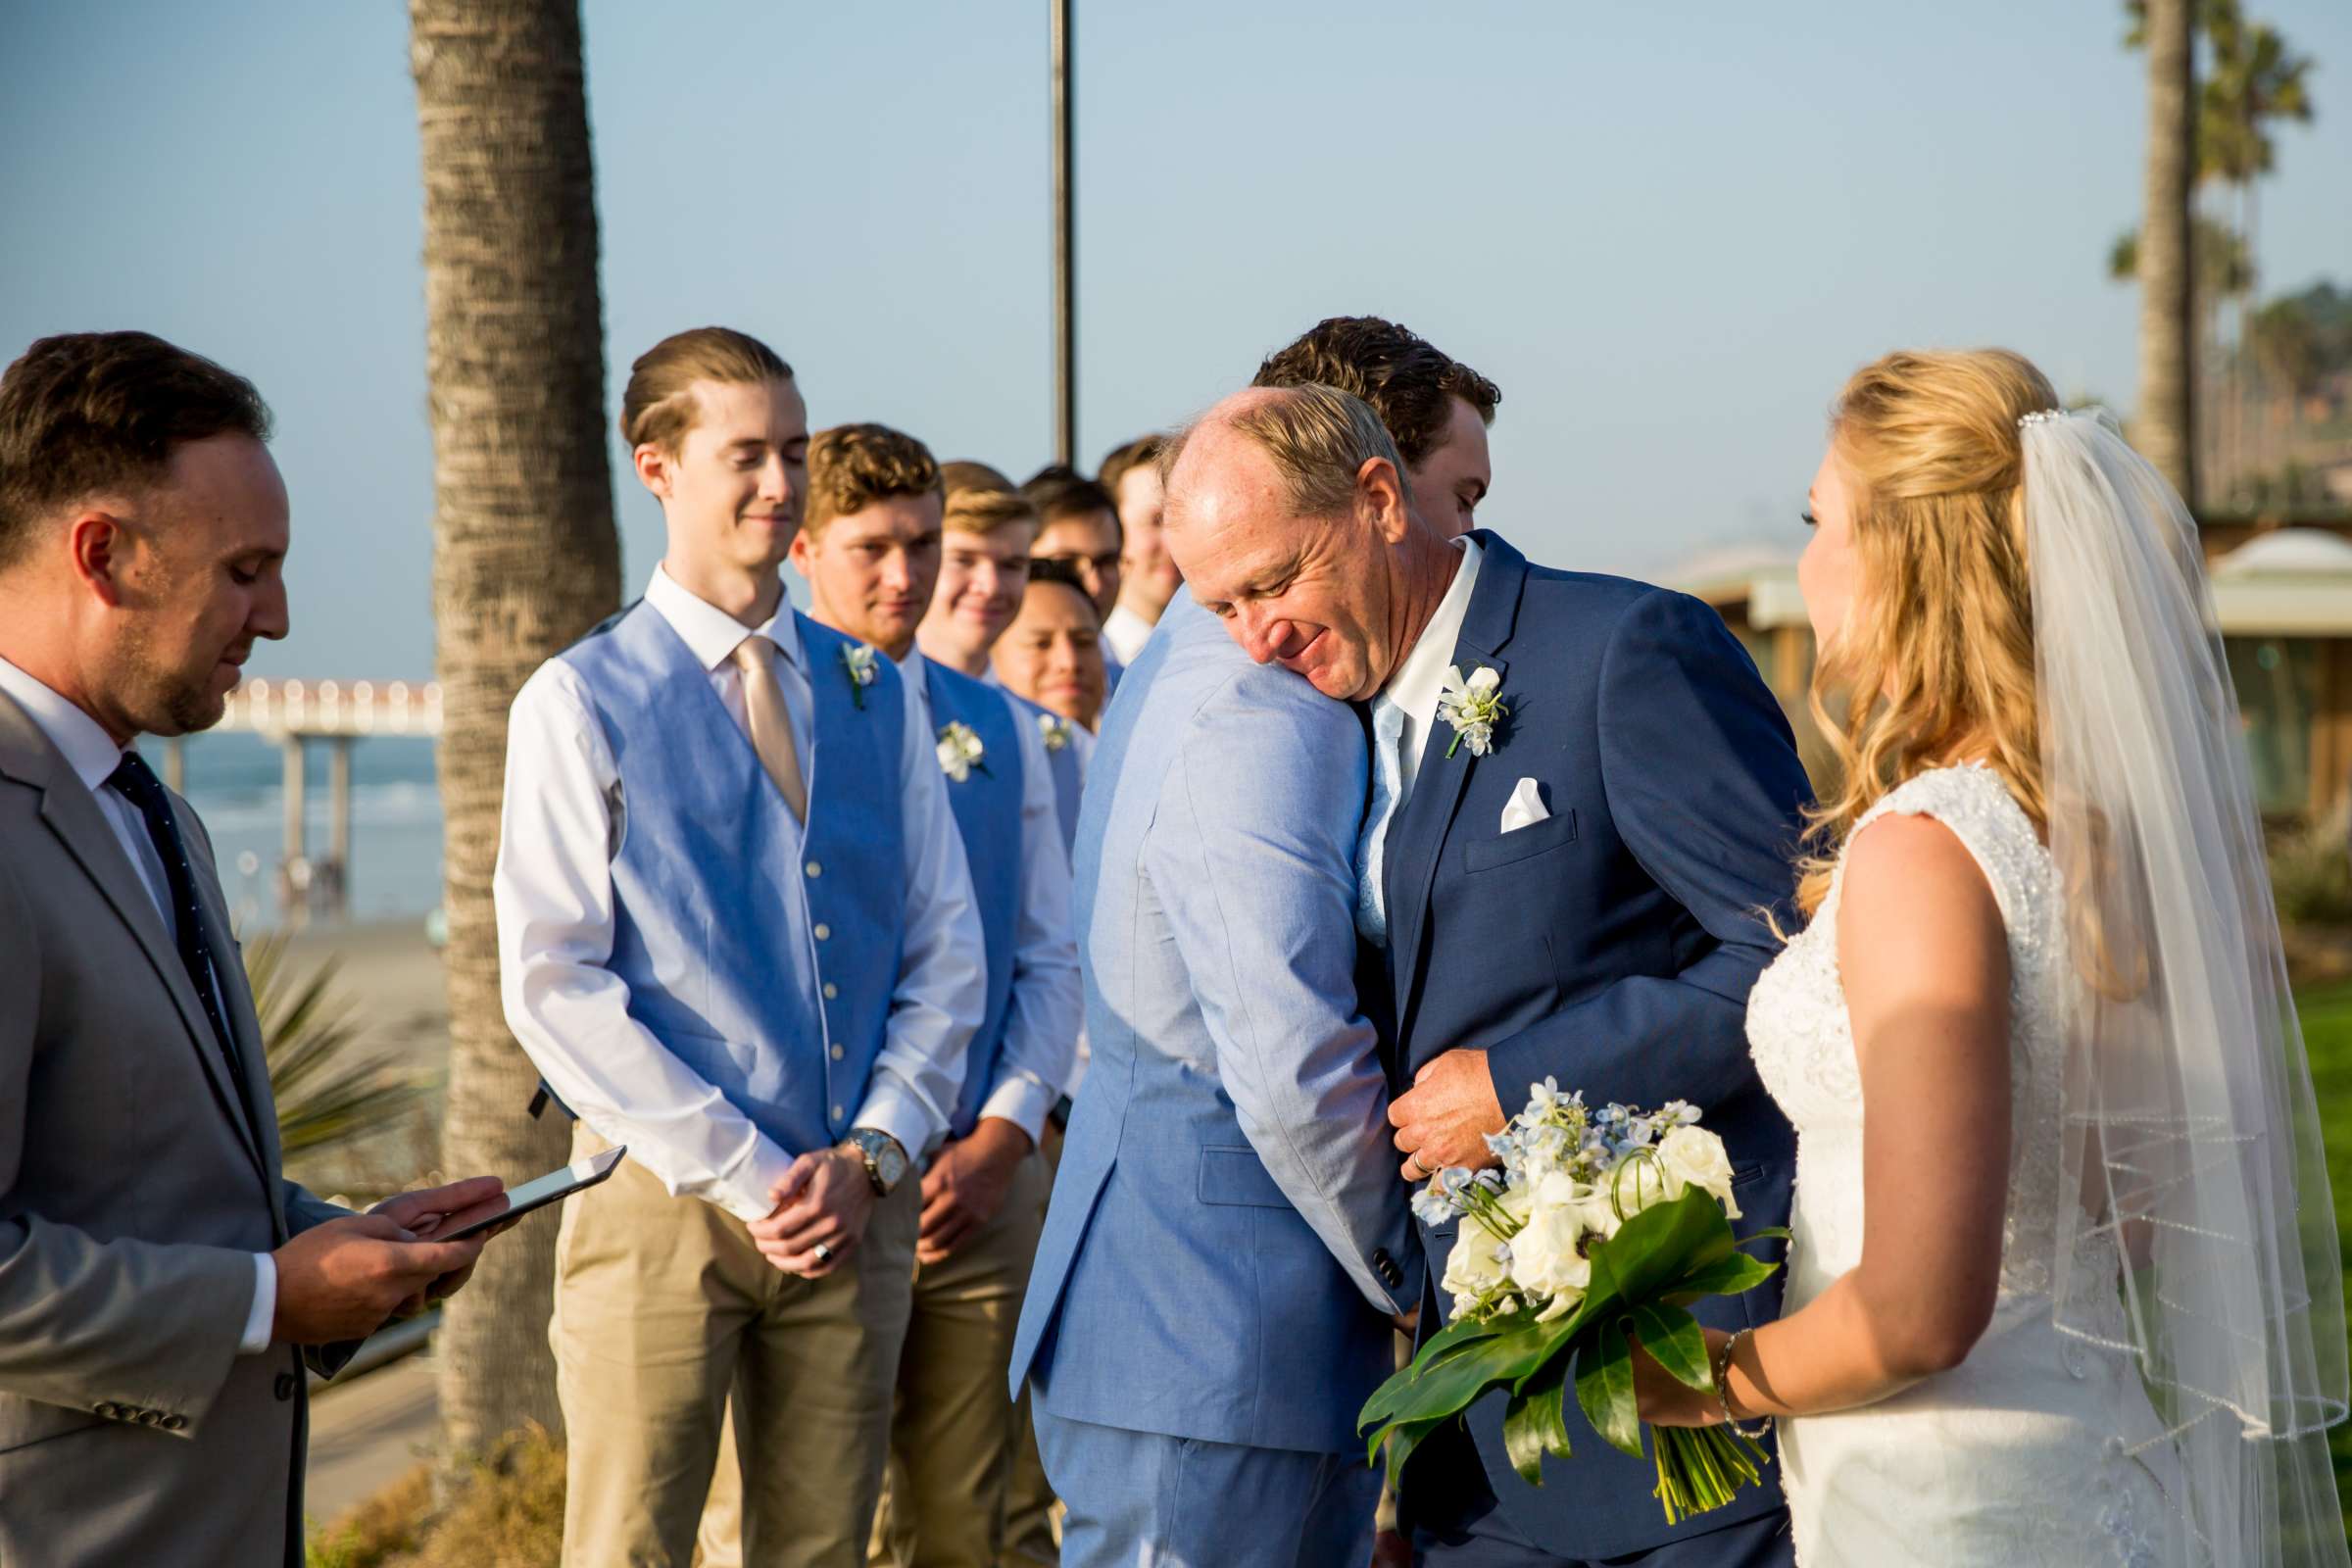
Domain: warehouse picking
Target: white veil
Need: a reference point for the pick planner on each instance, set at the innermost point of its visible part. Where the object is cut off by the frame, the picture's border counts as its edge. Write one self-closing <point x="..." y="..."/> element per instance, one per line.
<point x="2191" y="1140"/>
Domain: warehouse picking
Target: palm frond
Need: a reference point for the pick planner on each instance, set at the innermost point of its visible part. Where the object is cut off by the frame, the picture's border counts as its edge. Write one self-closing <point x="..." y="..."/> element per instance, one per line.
<point x="326" y="1096"/>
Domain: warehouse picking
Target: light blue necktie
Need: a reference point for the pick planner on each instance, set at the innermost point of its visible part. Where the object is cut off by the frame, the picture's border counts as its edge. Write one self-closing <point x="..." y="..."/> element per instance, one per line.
<point x="1371" y="853"/>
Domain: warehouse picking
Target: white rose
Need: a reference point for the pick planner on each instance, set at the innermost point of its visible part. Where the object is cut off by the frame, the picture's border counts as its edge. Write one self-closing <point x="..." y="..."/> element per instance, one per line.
<point x="1472" y="1269"/>
<point x="1695" y="1157"/>
<point x="1546" y="1260"/>
<point x="1635" y="1183"/>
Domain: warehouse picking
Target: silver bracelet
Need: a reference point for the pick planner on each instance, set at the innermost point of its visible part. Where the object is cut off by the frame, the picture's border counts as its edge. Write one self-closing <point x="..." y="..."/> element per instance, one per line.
<point x="1722" y="1389"/>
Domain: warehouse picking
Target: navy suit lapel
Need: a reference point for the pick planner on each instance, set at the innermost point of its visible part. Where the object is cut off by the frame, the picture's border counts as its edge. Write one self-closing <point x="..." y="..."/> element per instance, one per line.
<point x="1416" y="839"/>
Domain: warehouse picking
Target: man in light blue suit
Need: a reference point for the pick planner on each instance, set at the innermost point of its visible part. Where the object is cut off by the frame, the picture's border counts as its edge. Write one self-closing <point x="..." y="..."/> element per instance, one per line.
<point x="1228" y="1247"/>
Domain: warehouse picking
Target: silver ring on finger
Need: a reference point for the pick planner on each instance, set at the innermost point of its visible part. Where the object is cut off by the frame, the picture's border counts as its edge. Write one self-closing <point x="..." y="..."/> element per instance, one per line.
<point x="1422" y="1172"/>
<point x="822" y="1253"/>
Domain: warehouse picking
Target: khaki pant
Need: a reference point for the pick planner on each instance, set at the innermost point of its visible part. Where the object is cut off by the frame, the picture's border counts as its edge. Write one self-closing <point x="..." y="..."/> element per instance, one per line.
<point x="1031" y="1537"/>
<point x="953" y="1435"/>
<point x="664" y="1306"/>
<point x="952" y="1431"/>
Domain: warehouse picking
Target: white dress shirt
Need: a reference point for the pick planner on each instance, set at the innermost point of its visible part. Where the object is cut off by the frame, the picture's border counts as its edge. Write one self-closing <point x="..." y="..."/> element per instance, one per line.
<point x="554" y="892"/>
<point x="1125" y="632"/>
<point x="1042" y="1014"/>
<point x="1421" y="679"/>
<point x="93" y="756"/>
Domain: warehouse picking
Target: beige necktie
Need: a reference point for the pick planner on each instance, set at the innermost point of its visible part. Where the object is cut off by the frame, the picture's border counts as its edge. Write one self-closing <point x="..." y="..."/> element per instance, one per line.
<point x="770" y="725"/>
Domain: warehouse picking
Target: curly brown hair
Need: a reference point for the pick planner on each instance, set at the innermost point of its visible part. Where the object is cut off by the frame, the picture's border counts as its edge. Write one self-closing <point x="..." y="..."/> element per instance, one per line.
<point x="851" y="466"/>
<point x="1404" y="377"/>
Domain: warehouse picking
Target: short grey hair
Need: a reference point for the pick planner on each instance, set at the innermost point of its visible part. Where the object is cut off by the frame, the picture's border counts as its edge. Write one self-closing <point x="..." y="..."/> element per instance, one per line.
<point x="1318" y="439"/>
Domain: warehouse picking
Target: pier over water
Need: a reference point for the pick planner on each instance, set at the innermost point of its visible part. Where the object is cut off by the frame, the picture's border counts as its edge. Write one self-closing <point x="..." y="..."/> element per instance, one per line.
<point x="341" y="712"/>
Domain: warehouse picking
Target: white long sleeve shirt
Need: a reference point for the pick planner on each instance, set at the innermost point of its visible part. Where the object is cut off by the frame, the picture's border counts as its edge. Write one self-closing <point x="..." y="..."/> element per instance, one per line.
<point x="554" y="893"/>
<point x="1046" y="1009"/>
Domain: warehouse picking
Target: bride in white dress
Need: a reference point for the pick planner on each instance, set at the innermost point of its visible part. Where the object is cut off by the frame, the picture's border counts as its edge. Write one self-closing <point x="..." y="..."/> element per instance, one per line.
<point x="2064" y="1285"/>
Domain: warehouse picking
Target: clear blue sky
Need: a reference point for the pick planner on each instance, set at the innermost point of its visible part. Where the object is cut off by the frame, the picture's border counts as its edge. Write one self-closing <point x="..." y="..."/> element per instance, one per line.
<point x="1668" y="231"/>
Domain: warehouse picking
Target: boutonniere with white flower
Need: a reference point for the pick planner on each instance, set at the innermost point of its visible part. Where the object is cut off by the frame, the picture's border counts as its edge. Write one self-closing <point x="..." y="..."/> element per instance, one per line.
<point x="1056" y="729"/>
<point x="960" y="751"/>
<point x="1472" y="706"/>
<point x="858" y="660"/>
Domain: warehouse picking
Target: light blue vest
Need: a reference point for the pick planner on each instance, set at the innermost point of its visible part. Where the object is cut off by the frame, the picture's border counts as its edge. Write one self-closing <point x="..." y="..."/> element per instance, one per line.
<point x="763" y="959"/>
<point x="1069" y="780"/>
<point x="987" y="803"/>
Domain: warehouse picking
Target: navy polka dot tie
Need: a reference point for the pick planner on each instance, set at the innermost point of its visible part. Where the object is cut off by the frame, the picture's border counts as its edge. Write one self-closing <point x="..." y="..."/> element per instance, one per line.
<point x="136" y="783"/>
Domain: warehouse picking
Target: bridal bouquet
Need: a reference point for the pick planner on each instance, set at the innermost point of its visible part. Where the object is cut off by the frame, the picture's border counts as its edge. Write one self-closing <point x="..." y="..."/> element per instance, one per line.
<point x="1600" y="1225"/>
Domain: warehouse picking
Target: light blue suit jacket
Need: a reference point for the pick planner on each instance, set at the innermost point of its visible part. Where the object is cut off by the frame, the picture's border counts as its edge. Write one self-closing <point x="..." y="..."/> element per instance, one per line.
<point x="1228" y="1235"/>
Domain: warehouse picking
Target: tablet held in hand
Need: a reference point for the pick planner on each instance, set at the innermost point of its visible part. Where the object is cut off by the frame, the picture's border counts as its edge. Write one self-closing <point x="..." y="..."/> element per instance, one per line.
<point x="517" y="1202"/>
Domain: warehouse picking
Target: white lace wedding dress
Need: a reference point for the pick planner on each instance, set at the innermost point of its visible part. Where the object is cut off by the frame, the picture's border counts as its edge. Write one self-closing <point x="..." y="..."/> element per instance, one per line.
<point x="2038" y="1449"/>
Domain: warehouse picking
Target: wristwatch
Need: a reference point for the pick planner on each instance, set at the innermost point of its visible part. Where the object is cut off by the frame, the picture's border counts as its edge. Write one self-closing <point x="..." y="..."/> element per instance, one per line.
<point x="885" y="1161"/>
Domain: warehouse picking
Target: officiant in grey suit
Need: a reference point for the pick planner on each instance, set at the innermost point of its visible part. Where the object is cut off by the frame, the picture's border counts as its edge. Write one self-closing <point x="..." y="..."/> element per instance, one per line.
<point x="162" y="1285"/>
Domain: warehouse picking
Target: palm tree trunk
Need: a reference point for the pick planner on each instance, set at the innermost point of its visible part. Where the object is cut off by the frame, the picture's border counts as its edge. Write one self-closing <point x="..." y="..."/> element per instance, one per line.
<point x="524" y="560"/>
<point x="2166" y="428"/>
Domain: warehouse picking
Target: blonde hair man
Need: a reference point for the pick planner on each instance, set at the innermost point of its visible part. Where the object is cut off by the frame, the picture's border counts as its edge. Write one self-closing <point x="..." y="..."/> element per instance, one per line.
<point x="984" y="563"/>
<point x="874" y="545"/>
<point x="759" y="976"/>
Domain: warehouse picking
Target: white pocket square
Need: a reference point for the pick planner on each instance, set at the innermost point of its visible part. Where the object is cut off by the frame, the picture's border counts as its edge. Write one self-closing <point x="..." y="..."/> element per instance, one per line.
<point x="1525" y="808"/>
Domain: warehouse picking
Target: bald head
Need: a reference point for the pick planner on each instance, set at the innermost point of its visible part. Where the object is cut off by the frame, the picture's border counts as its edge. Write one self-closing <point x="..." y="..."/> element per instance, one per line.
<point x="1289" y="515"/>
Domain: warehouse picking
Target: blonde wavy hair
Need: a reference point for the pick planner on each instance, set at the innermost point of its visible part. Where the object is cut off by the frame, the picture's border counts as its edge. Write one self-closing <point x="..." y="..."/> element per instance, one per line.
<point x="1934" y="662"/>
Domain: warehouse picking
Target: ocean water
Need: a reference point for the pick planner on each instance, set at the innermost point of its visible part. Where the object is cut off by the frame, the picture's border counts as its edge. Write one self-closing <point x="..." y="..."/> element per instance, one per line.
<point x="235" y="782"/>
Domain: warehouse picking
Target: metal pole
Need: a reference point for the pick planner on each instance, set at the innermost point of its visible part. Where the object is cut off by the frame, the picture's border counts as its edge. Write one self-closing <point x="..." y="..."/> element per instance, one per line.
<point x="1065" y="249"/>
<point x="292" y="790"/>
<point x="338" y="822"/>
<point x="294" y="871"/>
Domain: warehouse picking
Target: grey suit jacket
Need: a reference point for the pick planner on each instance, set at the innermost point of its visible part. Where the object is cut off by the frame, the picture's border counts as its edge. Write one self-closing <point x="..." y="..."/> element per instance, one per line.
<point x="139" y="1173"/>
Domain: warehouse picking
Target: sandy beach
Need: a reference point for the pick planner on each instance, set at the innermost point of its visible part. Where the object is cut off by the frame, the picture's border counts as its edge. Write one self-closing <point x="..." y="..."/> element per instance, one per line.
<point x="392" y="975"/>
<point x="387" y="981"/>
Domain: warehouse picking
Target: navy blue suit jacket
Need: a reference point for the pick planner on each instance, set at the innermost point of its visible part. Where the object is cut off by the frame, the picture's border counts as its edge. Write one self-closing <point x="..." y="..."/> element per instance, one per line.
<point x="1611" y="946"/>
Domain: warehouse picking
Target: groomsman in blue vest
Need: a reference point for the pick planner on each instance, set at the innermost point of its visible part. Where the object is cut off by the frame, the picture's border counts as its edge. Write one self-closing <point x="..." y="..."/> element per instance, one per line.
<point x="737" y="934"/>
<point x="1053" y="657"/>
<point x="1078" y="525"/>
<point x="870" y="548"/>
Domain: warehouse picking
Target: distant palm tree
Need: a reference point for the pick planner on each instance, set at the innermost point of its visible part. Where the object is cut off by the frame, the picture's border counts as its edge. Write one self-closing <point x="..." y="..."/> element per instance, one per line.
<point x="2254" y="81"/>
<point x="2166" y="428"/>
<point x="524" y="560"/>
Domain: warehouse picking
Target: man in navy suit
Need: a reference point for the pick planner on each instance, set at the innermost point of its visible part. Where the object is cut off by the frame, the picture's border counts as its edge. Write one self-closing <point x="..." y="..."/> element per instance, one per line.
<point x="1573" y="894"/>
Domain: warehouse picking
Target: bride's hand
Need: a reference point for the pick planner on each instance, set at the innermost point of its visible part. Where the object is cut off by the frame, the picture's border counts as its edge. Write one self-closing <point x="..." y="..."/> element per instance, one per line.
<point x="1666" y="1400"/>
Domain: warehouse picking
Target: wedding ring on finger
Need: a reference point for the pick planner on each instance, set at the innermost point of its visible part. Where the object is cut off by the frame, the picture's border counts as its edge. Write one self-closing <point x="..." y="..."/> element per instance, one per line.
<point x="1421" y="1172"/>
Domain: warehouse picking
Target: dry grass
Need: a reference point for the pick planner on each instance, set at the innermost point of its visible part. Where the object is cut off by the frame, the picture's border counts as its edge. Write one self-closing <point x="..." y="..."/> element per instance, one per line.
<point x="506" y="1511"/>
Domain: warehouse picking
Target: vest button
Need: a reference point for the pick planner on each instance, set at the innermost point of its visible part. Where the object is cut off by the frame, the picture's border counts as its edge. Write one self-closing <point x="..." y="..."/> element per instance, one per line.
<point x="838" y="1054"/>
<point x="814" y="869"/>
<point x="831" y="991"/>
<point x="838" y="1113"/>
<point x="283" y="1386"/>
<point x="823" y="931"/>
